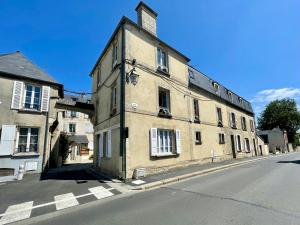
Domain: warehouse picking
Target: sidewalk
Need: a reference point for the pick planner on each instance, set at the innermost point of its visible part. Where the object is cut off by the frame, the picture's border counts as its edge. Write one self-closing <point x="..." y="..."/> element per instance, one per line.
<point x="177" y="174"/>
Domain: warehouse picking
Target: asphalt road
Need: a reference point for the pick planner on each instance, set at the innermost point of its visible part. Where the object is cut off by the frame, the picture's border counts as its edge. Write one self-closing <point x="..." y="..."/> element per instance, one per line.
<point x="264" y="192"/>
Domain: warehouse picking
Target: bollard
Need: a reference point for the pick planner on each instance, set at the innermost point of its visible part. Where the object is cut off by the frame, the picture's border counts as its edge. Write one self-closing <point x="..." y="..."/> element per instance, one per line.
<point x="21" y="172"/>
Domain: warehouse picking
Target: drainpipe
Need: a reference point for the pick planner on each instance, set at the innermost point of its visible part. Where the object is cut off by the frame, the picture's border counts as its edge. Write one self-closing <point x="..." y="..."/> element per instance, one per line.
<point x="122" y="106"/>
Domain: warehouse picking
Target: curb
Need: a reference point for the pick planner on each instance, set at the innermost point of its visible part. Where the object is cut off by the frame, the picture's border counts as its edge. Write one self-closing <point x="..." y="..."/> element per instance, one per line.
<point x="193" y="174"/>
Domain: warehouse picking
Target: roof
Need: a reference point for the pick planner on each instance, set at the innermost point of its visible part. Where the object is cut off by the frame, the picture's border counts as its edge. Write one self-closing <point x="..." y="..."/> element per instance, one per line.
<point x="124" y="20"/>
<point x="18" y="65"/>
<point x="78" y="139"/>
<point x="142" y="4"/>
<point x="72" y="100"/>
<point x="204" y="82"/>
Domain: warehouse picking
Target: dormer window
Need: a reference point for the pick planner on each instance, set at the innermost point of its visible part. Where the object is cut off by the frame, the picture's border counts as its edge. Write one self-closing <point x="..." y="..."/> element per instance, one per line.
<point x="162" y="60"/>
<point x="216" y="87"/>
<point x="240" y="100"/>
<point x="191" y="74"/>
<point x="230" y="96"/>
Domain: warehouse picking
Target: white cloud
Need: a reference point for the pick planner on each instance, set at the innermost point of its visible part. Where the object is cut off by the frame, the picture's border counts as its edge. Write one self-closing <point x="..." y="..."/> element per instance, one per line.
<point x="262" y="98"/>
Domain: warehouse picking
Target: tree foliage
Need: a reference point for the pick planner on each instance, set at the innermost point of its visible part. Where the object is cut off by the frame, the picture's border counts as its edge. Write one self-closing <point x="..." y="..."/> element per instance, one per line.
<point x="283" y="114"/>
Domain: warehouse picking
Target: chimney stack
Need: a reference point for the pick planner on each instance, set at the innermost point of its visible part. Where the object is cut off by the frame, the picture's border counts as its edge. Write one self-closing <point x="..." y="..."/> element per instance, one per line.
<point x="146" y="17"/>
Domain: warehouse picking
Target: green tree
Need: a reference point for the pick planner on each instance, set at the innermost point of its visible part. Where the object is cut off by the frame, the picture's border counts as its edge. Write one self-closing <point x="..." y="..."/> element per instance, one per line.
<point x="283" y="114"/>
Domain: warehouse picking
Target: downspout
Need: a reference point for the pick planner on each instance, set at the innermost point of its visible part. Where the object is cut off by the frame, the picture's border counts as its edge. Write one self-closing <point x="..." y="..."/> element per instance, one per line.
<point x="122" y="105"/>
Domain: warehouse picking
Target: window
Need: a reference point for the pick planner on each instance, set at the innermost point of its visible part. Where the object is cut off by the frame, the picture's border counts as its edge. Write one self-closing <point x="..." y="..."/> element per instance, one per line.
<point x="191" y="74"/>
<point x="232" y="120"/>
<point x="247" y="145"/>
<point x="115" y="55"/>
<point x="221" y="138"/>
<point x="219" y="117"/>
<point x="240" y="100"/>
<point x="165" y="141"/>
<point x="216" y="87"/>
<point x="113" y="99"/>
<point x="32" y="97"/>
<point x="99" y="76"/>
<point x="198" y="138"/>
<point x="243" y="122"/>
<point x="73" y="114"/>
<point x="196" y="111"/>
<point x="164" y="102"/>
<point x="28" y="139"/>
<point x="239" y="144"/>
<point x="72" y="127"/>
<point x="252" y="125"/>
<point x="162" y="60"/>
<point x="230" y="96"/>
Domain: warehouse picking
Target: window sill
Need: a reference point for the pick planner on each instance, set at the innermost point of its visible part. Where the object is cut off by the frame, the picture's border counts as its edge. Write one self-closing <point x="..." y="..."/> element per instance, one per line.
<point x="220" y="125"/>
<point x="166" y="154"/>
<point x="200" y="143"/>
<point x="197" y="121"/>
<point x="233" y="127"/>
<point x="113" y="112"/>
<point x="30" y="111"/>
<point x="168" y="116"/>
<point x="22" y="154"/>
<point x="163" y="72"/>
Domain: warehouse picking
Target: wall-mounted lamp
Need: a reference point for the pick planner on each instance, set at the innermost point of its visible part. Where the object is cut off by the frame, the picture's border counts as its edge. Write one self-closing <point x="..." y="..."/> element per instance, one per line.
<point x="132" y="77"/>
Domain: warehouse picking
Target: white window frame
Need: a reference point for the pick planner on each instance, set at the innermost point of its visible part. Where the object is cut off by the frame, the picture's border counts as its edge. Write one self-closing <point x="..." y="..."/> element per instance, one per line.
<point x="160" y="61"/>
<point x="166" y="144"/>
<point x="115" y="54"/>
<point x="32" y="96"/>
<point x="28" y="138"/>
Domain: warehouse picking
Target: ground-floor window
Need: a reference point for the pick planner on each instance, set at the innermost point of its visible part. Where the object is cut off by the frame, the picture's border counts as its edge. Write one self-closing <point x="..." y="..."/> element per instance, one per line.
<point x="165" y="141"/>
<point x="198" y="138"/>
<point x="28" y="139"/>
<point x="239" y="145"/>
<point x="221" y="138"/>
<point x="247" y="145"/>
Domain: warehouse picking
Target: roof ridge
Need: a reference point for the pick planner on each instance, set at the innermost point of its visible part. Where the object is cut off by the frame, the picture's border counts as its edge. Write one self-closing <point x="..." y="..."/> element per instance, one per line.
<point x="11" y="53"/>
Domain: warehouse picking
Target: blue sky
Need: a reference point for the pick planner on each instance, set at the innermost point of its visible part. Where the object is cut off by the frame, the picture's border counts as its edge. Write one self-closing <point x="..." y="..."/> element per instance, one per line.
<point x="251" y="47"/>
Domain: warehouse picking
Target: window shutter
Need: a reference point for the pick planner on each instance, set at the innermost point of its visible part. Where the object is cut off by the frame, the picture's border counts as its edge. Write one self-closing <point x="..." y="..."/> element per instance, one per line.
<point x="100" y="145"/>
<point x="7" y="139"/>
<point x="66" y="127"/>
<point x="244" y="145"/>
<point x="230" y="120"/>
<point x="68" y="114"/>
<point x="236" y="143"/>
<point x="153" y="137"/>
<point x="45" y="99"/>
<point x="108" y="144"/>
<point x="17" y="95"/>
<point x="77" y="114"/>
<point x="178" y="141"/>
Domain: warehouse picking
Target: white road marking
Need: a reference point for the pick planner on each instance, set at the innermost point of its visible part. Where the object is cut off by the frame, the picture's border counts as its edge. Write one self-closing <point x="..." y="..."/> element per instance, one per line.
<point x="17" y="212"/>
<point x="65" y="201"/>
<point x="138" y="182"/>
<point x="100" y="192"/>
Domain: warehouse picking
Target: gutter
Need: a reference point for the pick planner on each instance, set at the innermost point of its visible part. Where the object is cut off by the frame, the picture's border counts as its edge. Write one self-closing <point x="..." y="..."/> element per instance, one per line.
<point x="122" y="105"/>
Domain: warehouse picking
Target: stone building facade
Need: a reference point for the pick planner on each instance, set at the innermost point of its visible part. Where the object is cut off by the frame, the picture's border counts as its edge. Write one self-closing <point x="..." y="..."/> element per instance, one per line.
<point x="153" y="111"/>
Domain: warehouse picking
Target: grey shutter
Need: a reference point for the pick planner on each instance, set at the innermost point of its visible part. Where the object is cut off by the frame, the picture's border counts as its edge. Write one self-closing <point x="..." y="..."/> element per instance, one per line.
<point x="7" y="139"/>
<point x="100" y="146"/>
<point x="178" y="141"/>
<point x="66" y="127"/>
<point x="45" y="98"/>
<point x="108" y="144"/>
<point x="17" y="95"/>
<point x="153" y="140"/>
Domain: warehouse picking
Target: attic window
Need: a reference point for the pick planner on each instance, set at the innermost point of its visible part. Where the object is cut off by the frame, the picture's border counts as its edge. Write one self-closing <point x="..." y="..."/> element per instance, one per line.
<point x="230" y="96"/>
<point x="191" y="74"/>
<point x="240" y="100"/>
<point x="216" y="87"/>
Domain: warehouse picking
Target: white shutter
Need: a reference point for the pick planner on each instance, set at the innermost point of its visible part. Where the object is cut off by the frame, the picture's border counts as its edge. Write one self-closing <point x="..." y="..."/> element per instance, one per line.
<point x="66" y="127"/>
<point x="108" y="144"/>
<point x="100" y="146"/>
<point x="230" y="120"/>
<point x="244" y="145"/>
<point x="45" y="99"/>
<point x="178" y="141"/>
<point x="153" y="137"/>
<point x="68" y="114"/>
<point x="17" y="95"/>
<point x="77" y="114"/>
<point x="7" y="139"/>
